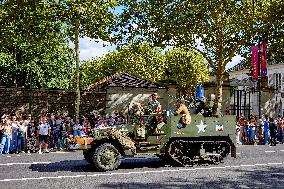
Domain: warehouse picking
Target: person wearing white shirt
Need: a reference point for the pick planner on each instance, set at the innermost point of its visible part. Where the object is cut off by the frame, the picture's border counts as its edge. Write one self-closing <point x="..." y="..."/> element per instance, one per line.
<point x="43" y="132"/>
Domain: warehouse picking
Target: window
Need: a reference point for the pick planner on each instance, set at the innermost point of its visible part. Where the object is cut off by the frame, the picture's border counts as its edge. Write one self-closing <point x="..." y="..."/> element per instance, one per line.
<point x="278" y="82"/>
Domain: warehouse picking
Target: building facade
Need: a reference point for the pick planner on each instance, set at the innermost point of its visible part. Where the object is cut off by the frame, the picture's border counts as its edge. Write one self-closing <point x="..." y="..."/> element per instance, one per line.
<point x="271" y="92"/>
<point x="125" y="89"/>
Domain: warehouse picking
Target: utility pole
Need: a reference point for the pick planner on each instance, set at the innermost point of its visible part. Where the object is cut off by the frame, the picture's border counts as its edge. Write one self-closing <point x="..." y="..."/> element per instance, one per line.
<point x="259" y="79"/>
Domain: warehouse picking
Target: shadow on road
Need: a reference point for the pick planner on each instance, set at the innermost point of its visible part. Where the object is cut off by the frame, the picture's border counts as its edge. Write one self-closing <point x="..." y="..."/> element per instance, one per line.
<point x="83" y="166"/>
<point x="270" y="177"/>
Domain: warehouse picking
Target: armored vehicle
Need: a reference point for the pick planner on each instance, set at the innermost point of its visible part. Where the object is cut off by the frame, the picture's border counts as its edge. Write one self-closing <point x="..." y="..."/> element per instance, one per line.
<point x="204" y="139"/>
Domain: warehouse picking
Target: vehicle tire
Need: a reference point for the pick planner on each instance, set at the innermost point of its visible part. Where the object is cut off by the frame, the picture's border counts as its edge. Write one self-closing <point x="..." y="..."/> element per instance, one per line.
<point x="106" y="157"/>
<point x="88" y="155"/>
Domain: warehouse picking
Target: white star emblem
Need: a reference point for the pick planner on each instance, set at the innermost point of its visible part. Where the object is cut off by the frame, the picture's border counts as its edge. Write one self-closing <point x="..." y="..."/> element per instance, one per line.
<point x="201" y="127"/>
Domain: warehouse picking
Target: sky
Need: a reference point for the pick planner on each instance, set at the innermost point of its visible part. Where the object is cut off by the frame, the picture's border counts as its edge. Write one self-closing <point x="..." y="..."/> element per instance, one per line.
<point x="90" y="49"/>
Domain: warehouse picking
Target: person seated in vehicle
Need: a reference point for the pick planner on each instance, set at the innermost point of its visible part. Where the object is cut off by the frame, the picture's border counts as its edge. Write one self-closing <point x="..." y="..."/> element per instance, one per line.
<point x="182" y="109"/>
<point x="136" y="112"/>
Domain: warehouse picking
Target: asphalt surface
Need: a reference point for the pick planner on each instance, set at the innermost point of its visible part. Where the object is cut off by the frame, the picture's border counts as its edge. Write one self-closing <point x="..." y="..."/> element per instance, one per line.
<point x="254" y="167"/>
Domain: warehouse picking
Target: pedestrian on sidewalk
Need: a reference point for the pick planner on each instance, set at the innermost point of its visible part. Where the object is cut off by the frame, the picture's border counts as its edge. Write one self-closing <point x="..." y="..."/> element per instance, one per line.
<point x="273" y="130"/>
<point x="6" y="130"/>
<point x="15" y="133"/>
<point x="266" y="129"/>
<point x="32" y="137"/>
<point x="260" y="131"/>
<point x="43" y="133"/>
<point x="22" y="136"/>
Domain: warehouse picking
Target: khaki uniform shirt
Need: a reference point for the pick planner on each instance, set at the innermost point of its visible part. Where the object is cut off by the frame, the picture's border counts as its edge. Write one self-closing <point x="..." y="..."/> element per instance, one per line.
<point x="181" y="110"/>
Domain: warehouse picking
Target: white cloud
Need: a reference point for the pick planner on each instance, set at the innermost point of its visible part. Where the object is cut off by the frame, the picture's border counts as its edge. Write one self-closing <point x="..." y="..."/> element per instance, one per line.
<point x="234" y="61"/>
<point x="90" y="48"/>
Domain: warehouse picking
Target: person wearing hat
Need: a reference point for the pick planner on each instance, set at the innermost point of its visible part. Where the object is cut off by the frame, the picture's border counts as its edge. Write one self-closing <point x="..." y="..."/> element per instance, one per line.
<point x="182" y="109"/>
<point x="154" y="105"/>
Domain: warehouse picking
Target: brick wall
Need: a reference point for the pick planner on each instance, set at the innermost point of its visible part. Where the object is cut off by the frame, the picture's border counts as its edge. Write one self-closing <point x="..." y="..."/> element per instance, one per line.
<point x="45" y="100"/>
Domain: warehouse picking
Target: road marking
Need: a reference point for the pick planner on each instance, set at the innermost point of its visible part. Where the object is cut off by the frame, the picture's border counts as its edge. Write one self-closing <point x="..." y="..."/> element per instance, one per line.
<point x="281" y="150"/>
<point x="269" y="151"/>
<point x="59" y="152"/>
<point x="8" y="156"/>
<point x="235" y="166"/>
<point x="260" y="164"/>
<point x="128" y="173"/>
<point x="247" y="165"/>
<point x="274" y="163"/>
<point x="33" y="163"/>
<point x="238" y="153"/>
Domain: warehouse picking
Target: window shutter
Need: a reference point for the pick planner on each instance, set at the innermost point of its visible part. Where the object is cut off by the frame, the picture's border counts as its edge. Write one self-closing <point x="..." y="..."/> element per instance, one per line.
<point x="282" y="82"/>
<point x="271" y="80"/>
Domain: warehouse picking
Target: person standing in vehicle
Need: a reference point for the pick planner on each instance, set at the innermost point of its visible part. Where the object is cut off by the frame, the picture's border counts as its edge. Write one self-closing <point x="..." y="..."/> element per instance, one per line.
<point x="154" y="105"/>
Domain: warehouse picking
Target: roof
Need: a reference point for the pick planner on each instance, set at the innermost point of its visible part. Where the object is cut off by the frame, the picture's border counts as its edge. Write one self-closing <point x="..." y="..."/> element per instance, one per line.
<point x="242" y="65"/>
<point x="123" y="79"/>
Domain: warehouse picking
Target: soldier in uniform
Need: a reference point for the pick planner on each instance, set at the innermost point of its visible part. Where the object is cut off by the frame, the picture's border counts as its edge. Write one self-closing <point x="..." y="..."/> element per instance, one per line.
<point x="154" y="104"/>
<point x="182" y="109"/>
<point x="154" y="107"/>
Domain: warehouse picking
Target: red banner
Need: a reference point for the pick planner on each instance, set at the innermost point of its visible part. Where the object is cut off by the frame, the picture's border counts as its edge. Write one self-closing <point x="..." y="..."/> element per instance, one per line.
<point x="254" y="57"/>
<point x="263" y="59"/>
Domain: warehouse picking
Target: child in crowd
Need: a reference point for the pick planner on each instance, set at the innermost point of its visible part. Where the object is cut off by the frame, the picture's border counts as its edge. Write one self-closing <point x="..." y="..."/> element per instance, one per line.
<point x="6" y="132"/>
<point x="77" y="128"/>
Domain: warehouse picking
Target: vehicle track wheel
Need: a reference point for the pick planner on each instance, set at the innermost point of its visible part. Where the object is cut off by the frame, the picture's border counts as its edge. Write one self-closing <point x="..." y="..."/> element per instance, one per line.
<point x="106" y="157"/>
<point x="176" y="153"/>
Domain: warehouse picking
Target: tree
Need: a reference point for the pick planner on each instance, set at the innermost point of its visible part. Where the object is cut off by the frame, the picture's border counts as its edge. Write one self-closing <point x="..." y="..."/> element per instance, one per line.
<point x="187" y="68"/>
<point x="218" y="29"/>
<point x="32" y="45"/>
<point x="273" y="28"/>
<point x="92" y="18"/>
<point x="184" y="67"/>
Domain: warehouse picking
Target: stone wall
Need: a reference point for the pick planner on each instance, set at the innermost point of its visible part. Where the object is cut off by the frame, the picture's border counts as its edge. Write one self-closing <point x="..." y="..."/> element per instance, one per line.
<point x="45" y="100"/>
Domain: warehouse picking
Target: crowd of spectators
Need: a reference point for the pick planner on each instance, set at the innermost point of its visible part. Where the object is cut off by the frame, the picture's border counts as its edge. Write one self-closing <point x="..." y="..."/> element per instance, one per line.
<point x="24" y="134"/>
<point x="267" y="130"/>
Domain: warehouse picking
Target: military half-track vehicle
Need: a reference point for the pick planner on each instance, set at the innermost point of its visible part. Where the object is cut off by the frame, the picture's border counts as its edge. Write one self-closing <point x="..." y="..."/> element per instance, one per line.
<point x="204" y="139"/>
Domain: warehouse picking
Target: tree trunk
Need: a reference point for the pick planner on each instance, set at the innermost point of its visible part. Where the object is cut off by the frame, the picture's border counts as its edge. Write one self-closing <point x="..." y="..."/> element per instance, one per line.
<point x="77" y="103"/>
<point x="218" y="91"/>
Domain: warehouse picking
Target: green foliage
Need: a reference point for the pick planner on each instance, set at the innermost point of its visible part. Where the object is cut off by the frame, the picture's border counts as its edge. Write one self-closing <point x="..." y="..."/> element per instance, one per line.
<point x="32" y="44"/>
<point x="95" y="17"/>
<point x="218" y="29"/>
<point x="221" y="26"/>
<point x="92" y="18"/>
<point x="184" y="67"/>
<point x="269" y="16"/>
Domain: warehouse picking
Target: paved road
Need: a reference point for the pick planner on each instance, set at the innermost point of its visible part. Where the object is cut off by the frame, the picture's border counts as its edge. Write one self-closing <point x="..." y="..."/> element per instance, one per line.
<point x="255" y="167"/>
